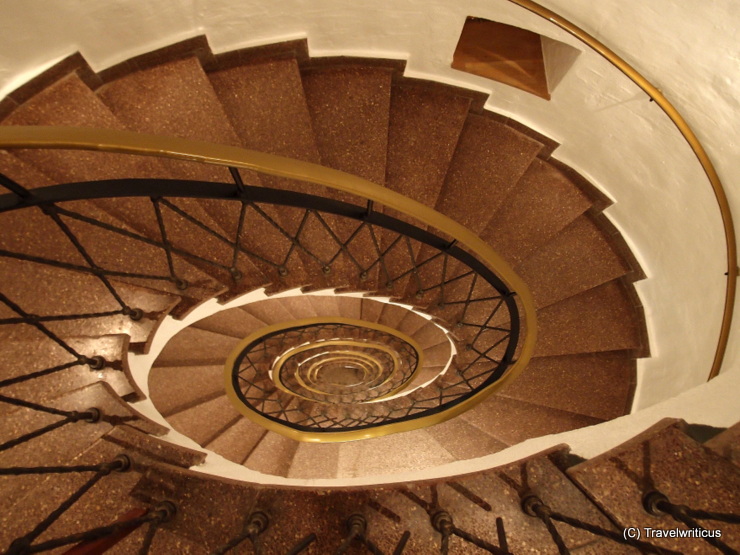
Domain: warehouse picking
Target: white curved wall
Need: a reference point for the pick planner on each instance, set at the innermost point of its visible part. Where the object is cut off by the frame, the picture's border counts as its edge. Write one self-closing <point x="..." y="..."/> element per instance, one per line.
<point x="608" y="129"/>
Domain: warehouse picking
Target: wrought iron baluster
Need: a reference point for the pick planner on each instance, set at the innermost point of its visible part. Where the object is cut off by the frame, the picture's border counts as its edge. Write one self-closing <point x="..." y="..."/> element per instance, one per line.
<point x="533" y="506"/>
<point x="91" y="415"/>
<point x="257" y="523"/>
<point x="22" y="545"/>
<point x="22" y="470"/>
<point x="50" y="210"/>
<point x="179" y="282"/>
<point x="356" y="530"/>
<point x="14" y="187"/>
<point x="39" y="373"/>
<point x="658" y="504"/>
<point x="402" y="543"/>
<point x="302" y="545"/>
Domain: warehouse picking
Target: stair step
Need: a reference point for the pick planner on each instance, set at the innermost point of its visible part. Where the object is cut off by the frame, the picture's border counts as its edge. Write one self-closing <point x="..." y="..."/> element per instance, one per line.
<point x="391" y="454"/>
<point x="600" y="385"/>
<point x="237" y="442"/>
<point x="196" y="346"/>
<point x="173" y="389"/>
<point x="665" y="459"/>
<point x="272" y="455"/>
<point x="315" y="460"/>
<point x="267" y="108"/>
<point x="371" y="310"/>
<point x="579" y="258"/>
<point x="235" y="322"/>
<point x="425" y="126"/>
<point x="489" y="160"/>
<point x="512" y="421"/>
<point x="143" y="446"/>
<point x="268" y="311"/>
<point x="602" y="319"/>
<point x="347" y="307"/>
<point x="543" y="202"/>
<point x="205" y="422"/>
<point x="349" y="108"/>
<point x="727" y="444"/>
<point x="325" y="305"/>
<point x="465" y="441"/>
<point x="299" y="307"/>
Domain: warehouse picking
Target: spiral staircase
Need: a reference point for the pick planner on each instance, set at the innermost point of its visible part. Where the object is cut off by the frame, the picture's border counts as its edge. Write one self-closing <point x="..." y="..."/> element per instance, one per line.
<point x="103" y="251"/>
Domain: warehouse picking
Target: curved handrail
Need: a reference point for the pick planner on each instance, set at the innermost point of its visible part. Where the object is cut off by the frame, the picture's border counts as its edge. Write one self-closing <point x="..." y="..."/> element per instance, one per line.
<point x="687" y="133"/>
<point x="127" y="142"/>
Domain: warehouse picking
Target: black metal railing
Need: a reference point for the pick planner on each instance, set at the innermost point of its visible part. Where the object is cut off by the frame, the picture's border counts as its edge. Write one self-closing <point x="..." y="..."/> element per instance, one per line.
<point x="278" y="234"/>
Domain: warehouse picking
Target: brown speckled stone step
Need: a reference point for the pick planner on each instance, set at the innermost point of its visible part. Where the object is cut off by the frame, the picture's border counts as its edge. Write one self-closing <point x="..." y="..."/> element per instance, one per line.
<point x="663" y="458"/>
<point x="602" y="319"/>
<point x="205" y="422"/>
<point x="175" y="388"/>
<point x="196" y="346"/>
<point x="577" y="259"/>
<point x="594" y="384"/>
<point x="320" y="460"/>
<point x="489" y="160"/>
<point x="542" y="203"/>
<point x="727" y="444"/>
<point x="391" y="454"/>
<point x="272" y="455"/>
<point x="238" y="441"/>
<point x="463" y="440"/>
<point x="235" y="322"/>
<point x="512" y="421"/>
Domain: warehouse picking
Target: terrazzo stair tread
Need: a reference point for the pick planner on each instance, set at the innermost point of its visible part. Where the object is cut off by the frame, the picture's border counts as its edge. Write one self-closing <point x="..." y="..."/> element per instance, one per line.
<point x="371" y="310"/>
<point x="173" y="389"/>
<point x="144" y="446"/>
<point x="269" y="312"/>
<point x="601" y="319"/>
<point x="579" y="258"/>
<point x="425" y="126"/>
<point x="489" y="161"/>
<point x="205" y="422"/>
<point x="234" y="322"/>
<point x="427" y="373"/>
<point x="465" y="441"/>
<point x="502" y="489"/>
<point x="437" y="355"/>
<point x="391" y="315"/>
<point x="100" y="506"/>
<point x="193" y="346"/>
<point x="512" y="421"/>
<point x="154" y="304"/>
<point x="599" y="385"/>
<point x="299" y="307"/>
<point x="665" y="459"/>
<point x="26" y="357"/>
<point x="391" y="454"/>
<point x="429" y="335"/>
<point x="727" y="444"/>
<point x="69" y="102"/>
<point x="349" y="109"/>
<point x="238" y="441"/>
<point x="272" y="455"/>
<point x="325" y="305"/>
<point x="543" y="202"/>
<point x="348" y="307"/>
<point x="315" y="460"/>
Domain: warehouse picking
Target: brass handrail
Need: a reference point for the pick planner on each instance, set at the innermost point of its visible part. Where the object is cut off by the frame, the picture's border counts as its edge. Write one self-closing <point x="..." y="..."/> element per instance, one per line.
<point x="691" y="138"/>
<point x="127" y="142"/>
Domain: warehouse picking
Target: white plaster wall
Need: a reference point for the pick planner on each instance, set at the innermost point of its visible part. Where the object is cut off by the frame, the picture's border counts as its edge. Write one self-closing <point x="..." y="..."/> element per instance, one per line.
<point x="608" y="129"/>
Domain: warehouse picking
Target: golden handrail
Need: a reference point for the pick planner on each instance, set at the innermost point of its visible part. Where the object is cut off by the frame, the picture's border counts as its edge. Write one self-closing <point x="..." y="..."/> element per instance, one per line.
<point x="691" y="138"/>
